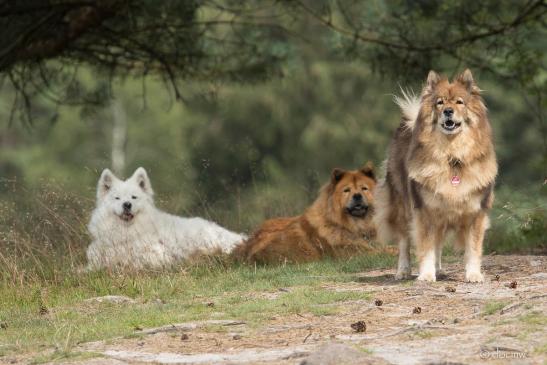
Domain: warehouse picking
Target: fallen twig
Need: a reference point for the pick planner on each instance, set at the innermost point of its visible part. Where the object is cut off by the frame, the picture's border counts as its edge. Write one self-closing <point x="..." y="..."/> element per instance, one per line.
<point x="188" y="326"/>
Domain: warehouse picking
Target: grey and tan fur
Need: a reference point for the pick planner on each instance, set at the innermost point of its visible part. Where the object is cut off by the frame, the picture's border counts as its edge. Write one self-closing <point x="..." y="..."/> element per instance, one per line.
<point x="440" y="173"/>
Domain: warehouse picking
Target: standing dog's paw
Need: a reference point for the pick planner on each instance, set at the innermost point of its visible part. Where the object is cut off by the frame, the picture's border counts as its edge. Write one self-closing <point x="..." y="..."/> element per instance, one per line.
<point x="403" y="274"/>
<point x="427" y="276"/>
<point x="474" y="277"/>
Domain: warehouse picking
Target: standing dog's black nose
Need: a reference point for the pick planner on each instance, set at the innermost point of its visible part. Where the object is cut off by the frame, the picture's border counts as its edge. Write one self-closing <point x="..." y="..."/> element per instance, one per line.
<point x="126" y="206"/>
<point x="357" y="197"/>
<point x="448" y="112"/>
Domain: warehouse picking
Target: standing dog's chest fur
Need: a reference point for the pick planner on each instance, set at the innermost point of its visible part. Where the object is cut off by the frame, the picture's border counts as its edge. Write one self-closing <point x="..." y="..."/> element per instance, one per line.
<point x="451" y="178"/>
<point x="450" y="207"/>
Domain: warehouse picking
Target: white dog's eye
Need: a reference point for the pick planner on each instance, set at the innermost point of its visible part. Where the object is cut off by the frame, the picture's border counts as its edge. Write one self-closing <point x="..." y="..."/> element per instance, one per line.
<point x="133" y="197"/>
<point x="459" y="101"/>
<point x="440" y="101"/>
<point x="117" y="198"/>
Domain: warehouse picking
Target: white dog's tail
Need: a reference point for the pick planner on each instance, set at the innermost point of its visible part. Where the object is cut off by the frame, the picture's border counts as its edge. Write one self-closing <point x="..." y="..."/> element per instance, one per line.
<point x="410" y="106"/>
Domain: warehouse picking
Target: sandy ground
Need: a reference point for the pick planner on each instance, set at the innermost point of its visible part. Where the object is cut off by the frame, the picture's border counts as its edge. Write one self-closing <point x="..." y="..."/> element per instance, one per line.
<point x="446" y="322"/>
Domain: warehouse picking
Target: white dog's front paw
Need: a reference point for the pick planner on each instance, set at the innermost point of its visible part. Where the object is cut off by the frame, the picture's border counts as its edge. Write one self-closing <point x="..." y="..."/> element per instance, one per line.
<point x="474" y="277"/>
<point x="403" y="274"/>
<point x="427" y="276"/>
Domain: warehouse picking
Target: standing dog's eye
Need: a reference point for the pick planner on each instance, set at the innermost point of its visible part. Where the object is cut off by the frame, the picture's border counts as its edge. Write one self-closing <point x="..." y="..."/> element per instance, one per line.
<point x="364" y="188"/>
<point x="347" y="190"/>
<point x="459" y="101"/>
<point x="133" y="197"/>
<point x="440" y="102"/>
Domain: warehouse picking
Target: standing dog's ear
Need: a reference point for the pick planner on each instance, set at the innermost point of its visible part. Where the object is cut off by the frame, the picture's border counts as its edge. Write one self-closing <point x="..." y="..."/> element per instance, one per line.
<point x="368" y="170"/>
<point x="466" y="79"/>
<point x="141" y="178"/>
<point x="433" y="79"/>
<point x="336" y="175"/>
<point x="106" y="181"/>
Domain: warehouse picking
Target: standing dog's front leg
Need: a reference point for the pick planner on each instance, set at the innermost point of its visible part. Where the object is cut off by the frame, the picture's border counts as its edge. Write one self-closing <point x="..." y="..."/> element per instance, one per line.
<point x="425" y="237"/>
<point x="403" y="267"/>
<point x="471" y="234"/>
<point x="438" y="257"/>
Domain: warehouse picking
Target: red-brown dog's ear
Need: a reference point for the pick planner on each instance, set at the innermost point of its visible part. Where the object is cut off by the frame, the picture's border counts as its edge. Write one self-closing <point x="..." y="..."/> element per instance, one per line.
<point x="368" y="170"/>
<point x="336" y="175"/>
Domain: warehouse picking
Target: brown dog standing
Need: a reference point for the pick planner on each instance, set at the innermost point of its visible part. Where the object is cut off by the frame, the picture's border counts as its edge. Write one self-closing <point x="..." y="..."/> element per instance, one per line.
<point x="440" y="175"/>
<point x="338" y="222"/>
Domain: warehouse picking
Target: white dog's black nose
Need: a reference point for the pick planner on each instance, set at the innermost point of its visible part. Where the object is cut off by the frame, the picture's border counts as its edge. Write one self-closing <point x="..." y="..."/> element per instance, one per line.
<point x="448" y="112"/>
<point x="126" y="206"/>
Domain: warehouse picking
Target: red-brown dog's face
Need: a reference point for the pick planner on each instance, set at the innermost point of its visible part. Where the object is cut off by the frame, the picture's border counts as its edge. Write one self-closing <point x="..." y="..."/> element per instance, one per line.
<point x="453" y="104"/>
<point x="353" y="191"/>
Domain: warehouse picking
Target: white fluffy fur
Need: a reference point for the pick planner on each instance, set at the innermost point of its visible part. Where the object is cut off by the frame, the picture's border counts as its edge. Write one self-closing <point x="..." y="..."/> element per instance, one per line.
<point x="410" y="106"/>
<point x="151" y="238"/>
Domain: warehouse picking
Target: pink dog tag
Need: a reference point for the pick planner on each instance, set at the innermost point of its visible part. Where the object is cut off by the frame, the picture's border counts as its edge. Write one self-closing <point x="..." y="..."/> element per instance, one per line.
<point x="455" y="180"/>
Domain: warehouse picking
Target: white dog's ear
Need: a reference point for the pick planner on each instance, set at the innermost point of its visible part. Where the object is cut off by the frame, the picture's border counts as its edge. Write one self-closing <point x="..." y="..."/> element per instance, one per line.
<point x="141" y="178"/>
<point x="433" y="79"/>
<point x="106" y="181"/>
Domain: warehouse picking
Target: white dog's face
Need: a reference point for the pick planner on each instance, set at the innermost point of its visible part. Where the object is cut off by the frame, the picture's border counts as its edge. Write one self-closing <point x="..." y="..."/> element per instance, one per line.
<point x="125" y="199"/>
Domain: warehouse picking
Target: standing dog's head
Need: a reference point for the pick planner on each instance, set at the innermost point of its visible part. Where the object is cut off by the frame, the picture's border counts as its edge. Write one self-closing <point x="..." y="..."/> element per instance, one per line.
<point x="125" y="199"/>
<point x="454" y="106"/>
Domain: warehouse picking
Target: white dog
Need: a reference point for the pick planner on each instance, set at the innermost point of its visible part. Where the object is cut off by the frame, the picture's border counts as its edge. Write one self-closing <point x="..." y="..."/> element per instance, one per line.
<point x="129" y="231"/>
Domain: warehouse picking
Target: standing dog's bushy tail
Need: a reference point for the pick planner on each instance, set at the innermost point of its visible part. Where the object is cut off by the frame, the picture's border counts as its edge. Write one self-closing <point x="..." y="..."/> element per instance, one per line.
<point x="410" y="106"/>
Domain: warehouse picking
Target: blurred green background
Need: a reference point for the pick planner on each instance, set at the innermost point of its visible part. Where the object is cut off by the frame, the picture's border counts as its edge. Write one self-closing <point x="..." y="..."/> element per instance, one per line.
<point x="238" y="153"/>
